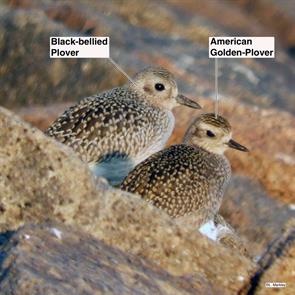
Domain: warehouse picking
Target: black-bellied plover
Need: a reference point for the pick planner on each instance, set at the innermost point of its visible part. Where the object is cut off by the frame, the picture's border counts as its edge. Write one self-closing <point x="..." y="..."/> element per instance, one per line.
<point x="115" y="130"/>
<point x="189" y="177"/>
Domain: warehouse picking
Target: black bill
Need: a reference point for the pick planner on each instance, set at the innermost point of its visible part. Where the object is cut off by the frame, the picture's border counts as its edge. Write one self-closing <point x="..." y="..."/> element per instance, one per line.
<point x="187" y="102"/>
<point x="235" y="145"/>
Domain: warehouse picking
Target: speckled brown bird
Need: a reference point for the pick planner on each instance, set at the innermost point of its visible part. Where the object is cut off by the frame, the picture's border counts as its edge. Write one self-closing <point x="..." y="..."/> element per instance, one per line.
<point x="115" y="130"/>
<point x="191" y="176"/>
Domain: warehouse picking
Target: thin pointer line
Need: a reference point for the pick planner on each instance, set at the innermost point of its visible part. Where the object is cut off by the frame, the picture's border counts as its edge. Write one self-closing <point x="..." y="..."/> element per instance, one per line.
<point x="216" y="88"/>
<point x="120" y="69"/>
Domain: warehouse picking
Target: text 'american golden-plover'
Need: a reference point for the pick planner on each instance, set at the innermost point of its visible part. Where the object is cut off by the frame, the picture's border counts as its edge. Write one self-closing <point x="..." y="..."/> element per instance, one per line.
<point x="115" y="130"/>
<point x="188" y="177"/>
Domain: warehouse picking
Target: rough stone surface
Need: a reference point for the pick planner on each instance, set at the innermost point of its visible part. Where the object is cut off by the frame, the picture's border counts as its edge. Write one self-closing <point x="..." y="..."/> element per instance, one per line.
<point x="119" y="219"/>
<point x="226" y="235"/>
<point x="57" y="259"/>
<point x="39" y="178"/>
<point x="175" y="37"/>
<point x="24" y="37"/>
<point x="277" y="264"/>
<point x="256" y="217"/>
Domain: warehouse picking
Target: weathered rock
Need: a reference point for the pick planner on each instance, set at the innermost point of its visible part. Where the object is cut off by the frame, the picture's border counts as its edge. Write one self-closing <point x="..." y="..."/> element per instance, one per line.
<point x="217" y="229"/>
<point x="39" y="178"/>
<point x="247" y="16"/>
<point x="24" y="39"/>
<point x="46" y="180"/>
<point x="40" y="116"/>
<point x="143" y="230"/>
<point x="277" y="265"/>
<point x="175" y="37"/>
<point x="256" y="216"/>
<point x="230" y="238"/>
<point x="58" y="259"/>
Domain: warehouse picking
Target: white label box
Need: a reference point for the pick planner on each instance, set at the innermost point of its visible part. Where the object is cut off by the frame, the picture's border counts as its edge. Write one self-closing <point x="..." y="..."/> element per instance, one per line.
<point x="79" y="47"/>
<point x="241" y="47"/>
<point x="275" y="285"/>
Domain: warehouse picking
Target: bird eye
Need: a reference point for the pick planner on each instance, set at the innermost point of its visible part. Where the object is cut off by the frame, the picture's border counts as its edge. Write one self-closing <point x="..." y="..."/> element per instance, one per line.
<point x="210" y="133"/>
<point x="159" y="87"/>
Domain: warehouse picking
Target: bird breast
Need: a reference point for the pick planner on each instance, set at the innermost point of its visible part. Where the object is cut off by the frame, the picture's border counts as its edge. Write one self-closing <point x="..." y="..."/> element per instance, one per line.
<point x="162" y="130"/>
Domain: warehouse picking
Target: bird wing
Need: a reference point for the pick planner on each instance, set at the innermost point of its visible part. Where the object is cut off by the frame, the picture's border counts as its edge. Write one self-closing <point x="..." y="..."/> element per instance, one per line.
<point x="170" y="180"/>
<point x="100" y="126"/>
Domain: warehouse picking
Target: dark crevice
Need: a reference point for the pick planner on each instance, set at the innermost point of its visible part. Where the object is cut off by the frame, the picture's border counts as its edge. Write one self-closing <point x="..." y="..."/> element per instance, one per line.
<point x="4" y="239"/>
<point x="275" y="250"/>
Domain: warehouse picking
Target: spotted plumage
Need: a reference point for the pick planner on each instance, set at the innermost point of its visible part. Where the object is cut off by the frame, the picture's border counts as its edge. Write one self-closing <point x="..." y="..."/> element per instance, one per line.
<point x="187" y="177"/>
<point x="117" y="129"/>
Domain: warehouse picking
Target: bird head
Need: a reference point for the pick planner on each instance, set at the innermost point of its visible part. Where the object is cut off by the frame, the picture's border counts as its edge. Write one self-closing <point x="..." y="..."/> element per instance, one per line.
<point x="157" y="86"/>
<point x="214" y="134"/>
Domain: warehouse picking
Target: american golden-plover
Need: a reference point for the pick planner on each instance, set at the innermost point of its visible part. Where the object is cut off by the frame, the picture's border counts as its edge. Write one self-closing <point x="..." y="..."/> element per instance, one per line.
<point x="188" y="177"/>
<point x="115" y="130"/>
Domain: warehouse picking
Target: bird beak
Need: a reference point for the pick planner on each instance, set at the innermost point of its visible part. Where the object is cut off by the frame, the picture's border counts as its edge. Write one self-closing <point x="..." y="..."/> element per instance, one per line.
<point x="235" y="145"/>
<point x="181" y="99"/>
